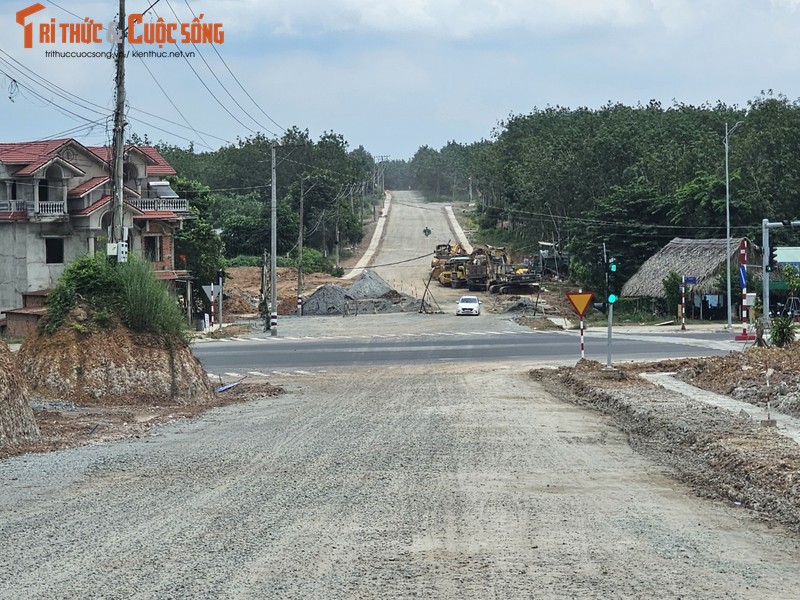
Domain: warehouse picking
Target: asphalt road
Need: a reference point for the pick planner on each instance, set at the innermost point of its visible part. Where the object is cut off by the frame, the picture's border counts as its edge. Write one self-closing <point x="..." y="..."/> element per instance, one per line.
<point x="256" y="352"/>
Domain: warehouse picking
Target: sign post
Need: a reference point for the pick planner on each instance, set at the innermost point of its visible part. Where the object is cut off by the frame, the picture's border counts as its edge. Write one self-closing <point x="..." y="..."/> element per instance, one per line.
<point x="580" y="302"/>
<point x="744" y="337"/>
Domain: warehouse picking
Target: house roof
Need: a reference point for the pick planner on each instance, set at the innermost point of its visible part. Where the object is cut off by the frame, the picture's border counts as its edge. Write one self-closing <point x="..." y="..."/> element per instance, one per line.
<point x="87" y="186"/>
<point x="34" y="155"/>
<point x="13" y="216"/>
<point x="703" y="259"/>
<point x="100" y="204"/>
<point x="156" y="164"/>
<point x="164" y="215"/>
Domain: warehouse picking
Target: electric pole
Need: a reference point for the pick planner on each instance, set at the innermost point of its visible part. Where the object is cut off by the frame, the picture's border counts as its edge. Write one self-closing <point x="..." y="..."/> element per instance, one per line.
<point x="119" y="133"/>
<point x="300" y="254"/>
<point x="274" y="249"/>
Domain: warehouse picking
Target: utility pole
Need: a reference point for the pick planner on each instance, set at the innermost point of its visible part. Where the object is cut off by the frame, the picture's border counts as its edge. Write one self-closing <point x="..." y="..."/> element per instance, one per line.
<point x="274" y="249"/>
<point x="119" y="134"/>
<point x="728" y="132"/>
<point x="363" y="199"/>
<point x="336" y="239"/>
<point x="300" y="254"/>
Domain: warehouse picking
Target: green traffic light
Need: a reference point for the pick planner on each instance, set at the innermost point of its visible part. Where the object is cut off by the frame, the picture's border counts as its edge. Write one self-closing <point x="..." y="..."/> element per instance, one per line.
<point x="612" y="267"/>
<point x="612" y="298"/>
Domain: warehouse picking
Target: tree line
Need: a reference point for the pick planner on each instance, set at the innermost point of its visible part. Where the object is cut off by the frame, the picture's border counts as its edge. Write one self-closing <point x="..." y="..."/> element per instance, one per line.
<point x="627" y="177"/>
<point x="230" y="192"/>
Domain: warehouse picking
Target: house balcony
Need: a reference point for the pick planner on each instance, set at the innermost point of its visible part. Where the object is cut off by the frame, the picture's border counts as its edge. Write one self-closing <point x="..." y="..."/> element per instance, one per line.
<point x="46" y="209"/>
<point x="176" y="205"/>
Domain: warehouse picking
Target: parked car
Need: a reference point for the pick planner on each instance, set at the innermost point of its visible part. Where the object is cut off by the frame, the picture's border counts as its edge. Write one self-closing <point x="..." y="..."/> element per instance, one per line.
<point x="468" y="305"/>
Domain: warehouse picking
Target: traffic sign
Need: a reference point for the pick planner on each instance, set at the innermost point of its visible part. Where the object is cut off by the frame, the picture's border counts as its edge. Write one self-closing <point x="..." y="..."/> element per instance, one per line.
<point x="580" y="301"/>
<point x="691" y="280"/>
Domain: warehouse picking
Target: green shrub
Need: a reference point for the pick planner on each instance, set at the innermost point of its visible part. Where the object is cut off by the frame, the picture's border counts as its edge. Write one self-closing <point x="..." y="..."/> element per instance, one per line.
<point x="244" y="261"/>
<point x="127" y="293"/>
<point x="146" y="302"/>
<point x="782" y="331"/>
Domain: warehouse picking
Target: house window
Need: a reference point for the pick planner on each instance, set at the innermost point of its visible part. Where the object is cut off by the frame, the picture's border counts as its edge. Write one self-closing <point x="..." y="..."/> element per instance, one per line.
<point x="152" y="248"/>
<point x="54" y="251"/>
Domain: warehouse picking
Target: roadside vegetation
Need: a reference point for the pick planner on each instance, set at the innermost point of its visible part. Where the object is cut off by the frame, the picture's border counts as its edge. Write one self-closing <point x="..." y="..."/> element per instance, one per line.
<point x="107" y="293"/>
<point x="627" y="177"/>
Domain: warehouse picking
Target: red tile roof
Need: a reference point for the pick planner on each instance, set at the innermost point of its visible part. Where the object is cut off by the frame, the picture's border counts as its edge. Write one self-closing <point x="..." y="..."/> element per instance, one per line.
<point x="13" y="216"/>
<point x="161" y="167"/>
<point x="23" y="153"/>
<point x="92" y="207"/>
<point x="38" y="153"/>
<point x="87" y="186"/>
<point x="157" y="214"/>
<point x="100" y="204"/>
<point x="157" y="163"/>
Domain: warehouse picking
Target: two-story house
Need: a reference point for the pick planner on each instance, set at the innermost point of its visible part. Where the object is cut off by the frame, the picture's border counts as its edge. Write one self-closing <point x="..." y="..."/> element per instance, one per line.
<point x="55" y="205"/>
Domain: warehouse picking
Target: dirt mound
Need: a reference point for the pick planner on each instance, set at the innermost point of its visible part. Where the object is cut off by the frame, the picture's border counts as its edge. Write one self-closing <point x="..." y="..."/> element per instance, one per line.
<point x="17" y="424"/>
<point x="369" y="285"/>
<point x="743" y="375"/>
<point x="114" y="367"/>
<point x="330" y="299"/>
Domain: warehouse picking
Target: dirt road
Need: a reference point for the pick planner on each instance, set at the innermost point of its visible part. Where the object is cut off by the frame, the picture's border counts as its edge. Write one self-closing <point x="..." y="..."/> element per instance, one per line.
<point x="363" y="484"/>
<point x="443" y="481"/>
<point x="404" y="256"/>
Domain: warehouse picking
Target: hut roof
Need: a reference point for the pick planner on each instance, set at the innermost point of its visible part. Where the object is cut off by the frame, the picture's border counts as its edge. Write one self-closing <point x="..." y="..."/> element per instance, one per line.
<point x="703" y="259"/>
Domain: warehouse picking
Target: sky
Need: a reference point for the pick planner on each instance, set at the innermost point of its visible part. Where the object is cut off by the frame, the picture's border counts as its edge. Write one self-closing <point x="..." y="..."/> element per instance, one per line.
<point x="388" y="75"/>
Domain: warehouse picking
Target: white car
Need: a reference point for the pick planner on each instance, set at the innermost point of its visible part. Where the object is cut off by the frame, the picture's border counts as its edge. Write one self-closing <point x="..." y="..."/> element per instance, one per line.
<point x="468" y="305"/>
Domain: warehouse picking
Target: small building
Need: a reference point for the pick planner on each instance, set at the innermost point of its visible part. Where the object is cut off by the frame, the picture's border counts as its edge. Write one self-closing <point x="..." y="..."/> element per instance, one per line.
<point x="704" y="260"/>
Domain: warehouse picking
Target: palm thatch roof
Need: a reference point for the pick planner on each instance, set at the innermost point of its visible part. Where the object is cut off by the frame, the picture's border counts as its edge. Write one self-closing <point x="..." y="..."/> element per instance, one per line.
<point x="703" y="259"/>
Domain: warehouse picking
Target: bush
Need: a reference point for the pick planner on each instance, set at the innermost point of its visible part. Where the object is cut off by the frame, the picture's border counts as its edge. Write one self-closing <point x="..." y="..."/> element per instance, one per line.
<point x="145" y="301"/>
<point x="782" y="331"/>
<point x="126" y="293"/>
<point x="244" y="261"/>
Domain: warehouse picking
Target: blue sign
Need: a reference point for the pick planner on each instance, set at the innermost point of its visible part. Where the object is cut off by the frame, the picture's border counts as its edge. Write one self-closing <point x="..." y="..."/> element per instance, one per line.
<point x="742" y="276"/>
<point x="690" y="280"/>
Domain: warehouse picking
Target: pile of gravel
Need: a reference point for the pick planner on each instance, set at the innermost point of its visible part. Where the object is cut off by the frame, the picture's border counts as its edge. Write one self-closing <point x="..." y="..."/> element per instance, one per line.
<point x="369" y="285"/>
<point x="329" y="299"/>
<point x="369" y="294"/>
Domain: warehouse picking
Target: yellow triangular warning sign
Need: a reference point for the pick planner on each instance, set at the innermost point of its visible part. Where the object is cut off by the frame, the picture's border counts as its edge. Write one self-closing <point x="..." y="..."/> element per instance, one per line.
<point x="580" y="301"/>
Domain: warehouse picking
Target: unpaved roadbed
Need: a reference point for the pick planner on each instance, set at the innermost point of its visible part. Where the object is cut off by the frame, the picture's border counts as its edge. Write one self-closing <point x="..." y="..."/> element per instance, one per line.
<point x="721" y="454"/>
<point x="447" y="482"/>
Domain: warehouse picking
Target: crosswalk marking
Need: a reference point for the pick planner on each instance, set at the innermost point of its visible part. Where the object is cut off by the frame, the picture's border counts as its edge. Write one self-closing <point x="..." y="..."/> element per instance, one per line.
<point x="421" y="334"/>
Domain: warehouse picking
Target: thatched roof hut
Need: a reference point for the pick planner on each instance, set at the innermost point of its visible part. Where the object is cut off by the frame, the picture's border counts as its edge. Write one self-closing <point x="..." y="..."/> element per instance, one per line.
<point x="703" y="259"/>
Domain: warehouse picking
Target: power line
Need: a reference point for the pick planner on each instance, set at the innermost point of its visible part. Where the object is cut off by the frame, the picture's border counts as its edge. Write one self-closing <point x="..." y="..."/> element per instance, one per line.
<point x="88" y="105"/>
<point x="214" y="47"/>
<point x="222" y="85"/>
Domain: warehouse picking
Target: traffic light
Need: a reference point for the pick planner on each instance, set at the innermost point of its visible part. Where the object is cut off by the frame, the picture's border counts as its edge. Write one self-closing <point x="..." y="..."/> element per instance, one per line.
<point x="612" y="270"/>
<point x="772" y="262"/>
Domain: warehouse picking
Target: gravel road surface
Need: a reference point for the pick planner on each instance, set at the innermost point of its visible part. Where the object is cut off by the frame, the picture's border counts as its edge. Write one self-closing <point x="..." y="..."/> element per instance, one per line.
<point x="460" y="482"/>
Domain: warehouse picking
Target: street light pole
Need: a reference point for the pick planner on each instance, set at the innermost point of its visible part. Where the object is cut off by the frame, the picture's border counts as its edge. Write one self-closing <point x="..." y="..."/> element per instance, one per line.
<point x="728" y="220"/>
